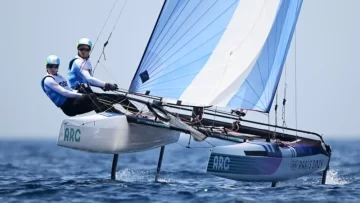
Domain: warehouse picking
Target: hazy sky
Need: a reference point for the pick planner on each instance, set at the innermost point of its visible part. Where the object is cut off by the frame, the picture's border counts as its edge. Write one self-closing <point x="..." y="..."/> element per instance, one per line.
<point x="327" y="55"/>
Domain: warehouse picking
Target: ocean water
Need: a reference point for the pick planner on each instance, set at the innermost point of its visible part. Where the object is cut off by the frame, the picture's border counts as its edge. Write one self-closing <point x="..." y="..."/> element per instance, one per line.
<point x="41" y="171"/>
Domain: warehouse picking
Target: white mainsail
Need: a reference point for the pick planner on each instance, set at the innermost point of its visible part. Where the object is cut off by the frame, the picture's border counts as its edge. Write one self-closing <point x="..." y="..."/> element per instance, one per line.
<point x="227" y="53"/>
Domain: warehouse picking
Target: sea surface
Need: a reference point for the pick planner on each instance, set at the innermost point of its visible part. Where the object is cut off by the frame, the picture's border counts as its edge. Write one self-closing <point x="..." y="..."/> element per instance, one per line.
<point x="41" y="171"/>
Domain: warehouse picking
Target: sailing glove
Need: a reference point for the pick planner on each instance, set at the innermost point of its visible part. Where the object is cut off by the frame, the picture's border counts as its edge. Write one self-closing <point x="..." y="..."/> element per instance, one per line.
<point x="109" y="86"/>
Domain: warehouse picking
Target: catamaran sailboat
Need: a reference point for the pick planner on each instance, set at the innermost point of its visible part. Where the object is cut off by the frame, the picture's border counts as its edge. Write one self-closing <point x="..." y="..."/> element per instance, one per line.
<point x="203" y="56"/>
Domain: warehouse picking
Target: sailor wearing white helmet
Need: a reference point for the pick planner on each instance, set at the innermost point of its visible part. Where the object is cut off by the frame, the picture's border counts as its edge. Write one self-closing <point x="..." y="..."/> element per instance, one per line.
<point x="70" y="101"/>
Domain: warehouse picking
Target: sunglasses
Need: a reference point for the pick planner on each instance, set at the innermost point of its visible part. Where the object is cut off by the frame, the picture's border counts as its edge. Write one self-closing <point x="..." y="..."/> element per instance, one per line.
<point x="52" y="65"/>
<point x="84" y="49"/>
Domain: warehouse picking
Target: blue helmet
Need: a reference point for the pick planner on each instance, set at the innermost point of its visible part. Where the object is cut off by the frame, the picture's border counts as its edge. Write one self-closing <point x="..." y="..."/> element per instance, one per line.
<point x="53" y="59"/>
<point x="84" y="41"/>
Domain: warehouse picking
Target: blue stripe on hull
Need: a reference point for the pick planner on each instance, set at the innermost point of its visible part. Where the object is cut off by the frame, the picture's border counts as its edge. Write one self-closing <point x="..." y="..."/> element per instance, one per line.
<point x="242" y="164"/>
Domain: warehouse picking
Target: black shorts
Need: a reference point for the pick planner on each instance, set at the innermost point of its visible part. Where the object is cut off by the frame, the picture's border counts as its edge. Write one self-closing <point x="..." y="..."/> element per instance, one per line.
<point x="81" y="105"/>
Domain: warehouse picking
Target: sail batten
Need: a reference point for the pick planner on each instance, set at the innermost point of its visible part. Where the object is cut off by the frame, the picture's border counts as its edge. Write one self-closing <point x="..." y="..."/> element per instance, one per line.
<point x="227" y="53"/>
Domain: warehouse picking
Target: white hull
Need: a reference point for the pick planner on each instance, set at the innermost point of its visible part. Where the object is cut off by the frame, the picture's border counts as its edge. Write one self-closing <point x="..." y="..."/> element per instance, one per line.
<point x="113" y="134"/>
<point x="266" y="162"/>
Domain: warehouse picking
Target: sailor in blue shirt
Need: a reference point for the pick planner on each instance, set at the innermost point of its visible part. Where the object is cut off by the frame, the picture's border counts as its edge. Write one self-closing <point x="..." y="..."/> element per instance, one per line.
<point x="81" y="76"/>
<point x="70" y="101"/>
<point x="80" y="69"/>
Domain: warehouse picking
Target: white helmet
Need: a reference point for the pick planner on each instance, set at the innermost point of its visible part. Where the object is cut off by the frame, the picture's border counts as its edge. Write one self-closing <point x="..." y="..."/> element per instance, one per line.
<point x="84" y="41"/>
<point x="53" y="59"/>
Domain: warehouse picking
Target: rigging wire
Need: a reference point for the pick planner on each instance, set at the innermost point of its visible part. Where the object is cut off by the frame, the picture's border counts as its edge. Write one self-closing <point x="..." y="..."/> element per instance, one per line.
<point x="107" y="41"/>
<point x="296" y="127"/>
<point x="276" y="106"/>
<point x="107" y="71"/>
<point x="103" y="25"/>
<point x="284" y="100"/>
